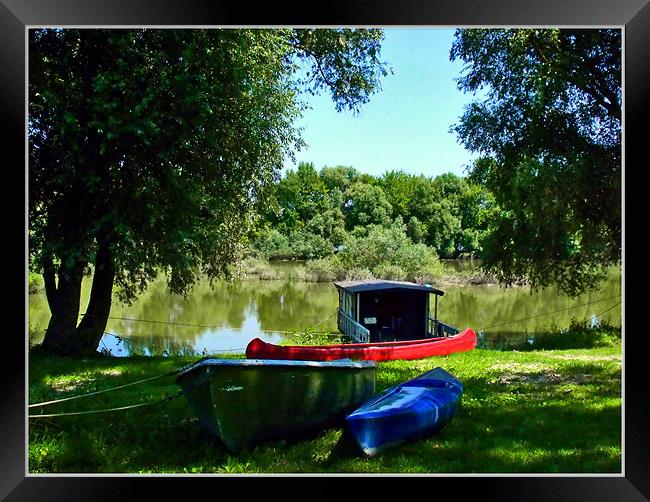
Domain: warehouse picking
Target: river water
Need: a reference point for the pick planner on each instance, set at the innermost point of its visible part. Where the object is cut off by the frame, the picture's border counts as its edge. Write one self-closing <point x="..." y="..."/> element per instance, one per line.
<point x="226" y="317"/>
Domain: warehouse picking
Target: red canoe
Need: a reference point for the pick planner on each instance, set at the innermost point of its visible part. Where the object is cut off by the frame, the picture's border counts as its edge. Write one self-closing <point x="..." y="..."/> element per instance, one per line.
<point x="380" y="351"/>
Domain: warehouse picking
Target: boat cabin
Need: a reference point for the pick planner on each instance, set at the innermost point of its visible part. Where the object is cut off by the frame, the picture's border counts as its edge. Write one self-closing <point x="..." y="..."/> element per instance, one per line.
<point x="382" y="311"/>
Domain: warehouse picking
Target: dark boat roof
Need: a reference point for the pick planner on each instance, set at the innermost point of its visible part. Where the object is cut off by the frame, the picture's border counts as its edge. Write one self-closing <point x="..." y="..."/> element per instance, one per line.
<point x="377" y="285"/>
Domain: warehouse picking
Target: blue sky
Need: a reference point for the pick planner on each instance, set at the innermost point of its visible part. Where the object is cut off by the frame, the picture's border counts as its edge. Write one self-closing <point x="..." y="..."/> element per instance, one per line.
<point x="405" y="126"/>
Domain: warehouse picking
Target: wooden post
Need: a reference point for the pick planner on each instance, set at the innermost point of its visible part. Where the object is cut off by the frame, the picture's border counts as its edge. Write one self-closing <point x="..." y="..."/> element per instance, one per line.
<point x="435" y="315"/>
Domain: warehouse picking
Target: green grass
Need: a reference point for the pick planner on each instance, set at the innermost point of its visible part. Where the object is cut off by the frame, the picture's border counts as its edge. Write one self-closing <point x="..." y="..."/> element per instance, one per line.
<point x="310" y="337"/>
<point x="550" y="411"/>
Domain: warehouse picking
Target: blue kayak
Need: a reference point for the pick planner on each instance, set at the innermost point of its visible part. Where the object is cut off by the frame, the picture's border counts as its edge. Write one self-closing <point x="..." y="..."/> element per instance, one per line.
<point x="405" y="412"/>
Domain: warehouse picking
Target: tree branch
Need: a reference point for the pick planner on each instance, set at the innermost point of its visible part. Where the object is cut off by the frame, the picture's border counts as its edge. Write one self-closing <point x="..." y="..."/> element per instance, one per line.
<point x="603" y="96"/>
<point x="316" y="60"/>
<point x="614" y="106"/>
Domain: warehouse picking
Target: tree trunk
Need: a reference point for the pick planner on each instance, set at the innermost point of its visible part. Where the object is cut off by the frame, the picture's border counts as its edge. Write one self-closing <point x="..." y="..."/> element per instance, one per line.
<point x="64" y="301"/>
<point x="92" y="326"/>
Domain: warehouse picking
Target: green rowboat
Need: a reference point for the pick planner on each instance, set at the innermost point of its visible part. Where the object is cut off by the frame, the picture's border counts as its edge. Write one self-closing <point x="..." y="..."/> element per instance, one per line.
<point x="248" y="401"/>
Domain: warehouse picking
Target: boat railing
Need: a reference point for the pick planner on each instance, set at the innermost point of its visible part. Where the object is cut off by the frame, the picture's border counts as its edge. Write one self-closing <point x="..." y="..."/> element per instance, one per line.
<point x="352" y="328"/>
<point x="437" y="328"/>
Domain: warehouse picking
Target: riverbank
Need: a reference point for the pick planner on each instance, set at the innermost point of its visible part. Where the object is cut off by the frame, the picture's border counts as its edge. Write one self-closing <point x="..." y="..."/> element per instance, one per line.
<point x="521" y="412"/>
<point x="468" y="273"/>
<point x="465" y="272"/>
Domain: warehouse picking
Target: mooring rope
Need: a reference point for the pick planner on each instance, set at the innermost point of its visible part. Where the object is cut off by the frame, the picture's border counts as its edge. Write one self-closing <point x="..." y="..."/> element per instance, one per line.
<point x="554" y="312"/>
<point x="93" y="393"/>
<point x="70" y="398"/>
<point x="178" y="370"/>
<point x="607" y="310"/>
<point x="119" y="337"/>
<point x="216" y="326"/>
<point x="169" y="397"/>
<point x="330" y="316"/>
<point x="105" y="410"/>
<point x="322" y="321"/>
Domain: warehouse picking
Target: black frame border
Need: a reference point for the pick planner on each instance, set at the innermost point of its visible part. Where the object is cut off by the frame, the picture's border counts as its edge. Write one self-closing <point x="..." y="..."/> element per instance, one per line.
<point x="633" y="16"/>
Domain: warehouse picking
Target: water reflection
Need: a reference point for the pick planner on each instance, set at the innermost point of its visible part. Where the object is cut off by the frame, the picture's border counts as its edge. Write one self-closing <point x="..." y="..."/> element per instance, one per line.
<point x="461" y="265"/>
<point x="226" y="317"/>
<point x="509" y="318"/>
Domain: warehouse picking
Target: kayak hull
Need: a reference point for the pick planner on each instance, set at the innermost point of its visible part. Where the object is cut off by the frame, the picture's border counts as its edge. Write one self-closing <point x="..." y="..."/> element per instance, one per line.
<point x="380" y="351"/>
<point x="406" y="412"/>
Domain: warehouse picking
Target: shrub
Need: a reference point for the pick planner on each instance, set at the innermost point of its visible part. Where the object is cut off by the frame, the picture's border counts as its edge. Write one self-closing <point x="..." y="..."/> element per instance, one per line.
<point x="357" y="274"/>
<point x="273" y="245"/>
<point x="389" y="253"/>
<point x="308" y="246"/>
<point x="579" y="335"/>
<point x="323" y="270"/>
<point x="309" y="337"/>
<point x="389" y="271"/>
<point x="34" y="283"/>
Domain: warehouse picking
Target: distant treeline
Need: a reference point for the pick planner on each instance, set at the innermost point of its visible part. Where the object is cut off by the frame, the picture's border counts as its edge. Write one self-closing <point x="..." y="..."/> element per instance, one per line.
<point x="315" y="214"/>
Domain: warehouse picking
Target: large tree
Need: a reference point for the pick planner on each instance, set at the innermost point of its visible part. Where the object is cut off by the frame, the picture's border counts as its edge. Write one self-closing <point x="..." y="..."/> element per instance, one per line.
<point x="300" y="195"/>
<point x="548" y="131"/>
<point x="150" y="150"/>
<point x="365" y="204"/>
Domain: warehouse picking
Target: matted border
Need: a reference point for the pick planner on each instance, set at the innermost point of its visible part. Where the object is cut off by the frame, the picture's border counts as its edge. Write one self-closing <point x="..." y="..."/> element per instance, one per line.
<point x="17" y="15"/>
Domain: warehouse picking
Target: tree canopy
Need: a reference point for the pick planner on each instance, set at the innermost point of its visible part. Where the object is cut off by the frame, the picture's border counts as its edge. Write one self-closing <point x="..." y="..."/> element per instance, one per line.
<point x="151" y="150"/>
<point x="548" y="130"/>
<point x="448" y="213"/>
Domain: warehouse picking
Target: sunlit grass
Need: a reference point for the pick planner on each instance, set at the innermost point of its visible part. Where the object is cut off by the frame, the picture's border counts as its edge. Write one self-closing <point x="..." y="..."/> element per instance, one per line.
<point x="521" y="412"/>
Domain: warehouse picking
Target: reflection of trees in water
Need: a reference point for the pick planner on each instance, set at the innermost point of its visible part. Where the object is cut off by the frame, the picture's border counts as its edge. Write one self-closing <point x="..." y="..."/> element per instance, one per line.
<point x="297" y="306"/>
<point x="497" y="309"/>
<point x="276" y="306"/>
<point x="461" y="265"/>
<point x="150" y="345"/>
<point x="280" y="305"/>
<point x="180" y="318"/>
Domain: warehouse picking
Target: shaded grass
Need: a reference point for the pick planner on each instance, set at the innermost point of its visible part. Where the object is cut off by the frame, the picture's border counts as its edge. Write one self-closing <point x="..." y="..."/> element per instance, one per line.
<point x="521" y="412"/>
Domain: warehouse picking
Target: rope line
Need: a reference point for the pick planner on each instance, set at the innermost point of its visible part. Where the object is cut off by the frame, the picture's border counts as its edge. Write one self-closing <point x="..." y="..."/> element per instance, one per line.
<point x="70" y="398"/>
<point x="322" y="321"/>
<point x="169" y="397"/>
<point x="554" y="312"/>
<point x="157" y="322"/>
<point x="335" y="334"/>
<point x="610" y="308"/>
<point x="214" y="325"/>
<point x="244" y="330"/>
<point x="332" y="315"/>
<point x="178" y="370"/>
<point x="105" y="410"/>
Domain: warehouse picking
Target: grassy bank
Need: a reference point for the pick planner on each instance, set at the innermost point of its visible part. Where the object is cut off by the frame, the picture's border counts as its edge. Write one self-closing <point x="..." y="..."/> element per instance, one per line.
<point x="326" y="271"/>
<point x="521" y="412"/>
